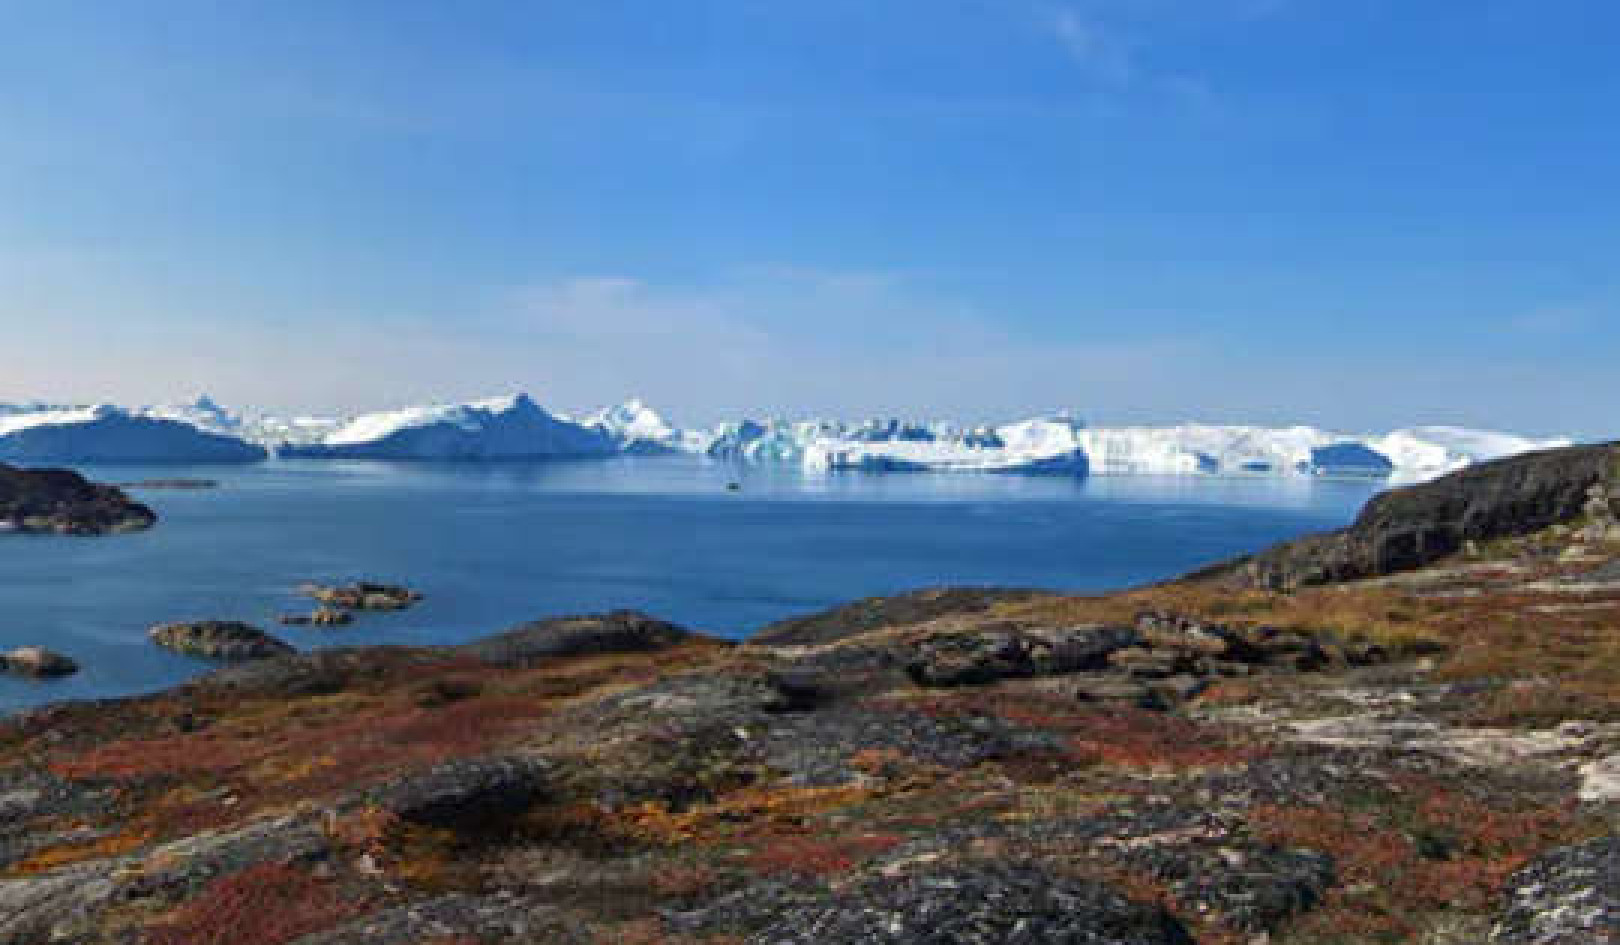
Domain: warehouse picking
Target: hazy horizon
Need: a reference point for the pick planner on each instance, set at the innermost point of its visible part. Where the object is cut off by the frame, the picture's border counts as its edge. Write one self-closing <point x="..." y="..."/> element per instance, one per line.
<point x="1359" y="217"/>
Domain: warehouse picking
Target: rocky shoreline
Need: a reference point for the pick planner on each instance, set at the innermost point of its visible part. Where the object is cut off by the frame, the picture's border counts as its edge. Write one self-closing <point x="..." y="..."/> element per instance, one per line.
<point x="1266" y="752"/>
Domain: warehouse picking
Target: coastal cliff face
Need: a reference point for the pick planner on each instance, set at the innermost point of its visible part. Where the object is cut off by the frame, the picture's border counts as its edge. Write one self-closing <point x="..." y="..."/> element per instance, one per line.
<point x="59" y="501"/>
<point x="1430" y="755"/>
<point x="1411" y="527"/>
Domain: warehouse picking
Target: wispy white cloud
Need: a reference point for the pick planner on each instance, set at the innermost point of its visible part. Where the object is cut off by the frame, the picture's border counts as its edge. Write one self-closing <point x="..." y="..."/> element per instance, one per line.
<point x="1112" y="49"/>
<point x="1093" y="46"/>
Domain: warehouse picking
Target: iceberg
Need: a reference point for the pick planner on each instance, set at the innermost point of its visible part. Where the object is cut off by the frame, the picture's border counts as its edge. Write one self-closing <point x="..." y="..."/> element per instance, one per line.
<point x="637" y="429"/>
<point x="513" y="427"/>
<point x="1062" y="444"/>
<point x="108" y="434"/>
<point x="1048" y="445"/>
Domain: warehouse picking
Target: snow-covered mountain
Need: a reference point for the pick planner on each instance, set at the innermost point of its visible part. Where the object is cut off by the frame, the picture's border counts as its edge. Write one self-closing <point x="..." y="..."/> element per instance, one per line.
<point x="512" y="427"/>
<point x="107" y="434"/>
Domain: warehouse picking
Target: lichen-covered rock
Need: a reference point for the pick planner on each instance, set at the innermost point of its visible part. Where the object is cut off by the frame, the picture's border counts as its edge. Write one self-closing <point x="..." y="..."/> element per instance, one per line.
<point x="38" y="663"/>
<point x="1569" y="896"/>
<point x="62" y="502"/>
<point x="218" y="639"/>
<point x="622" y="631"/>
<point x="978" y="904"/>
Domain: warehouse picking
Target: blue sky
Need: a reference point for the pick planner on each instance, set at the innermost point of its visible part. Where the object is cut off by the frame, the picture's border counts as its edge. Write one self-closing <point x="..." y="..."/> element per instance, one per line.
<point x="1354" y="213"/>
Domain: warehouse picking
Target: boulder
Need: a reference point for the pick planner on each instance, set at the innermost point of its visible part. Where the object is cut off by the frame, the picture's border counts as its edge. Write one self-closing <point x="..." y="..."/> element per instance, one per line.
<point x="1011" y="651"/>
<point x="218" y="639"/>
<point x="839" y="673"/>
<point x="622" y="631"/>
<point x="465" y="792"/>
<point x="38" y="663"/>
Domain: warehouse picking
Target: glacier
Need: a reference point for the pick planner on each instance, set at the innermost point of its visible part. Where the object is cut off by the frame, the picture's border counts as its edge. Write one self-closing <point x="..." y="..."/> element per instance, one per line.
<point x="517" y="427"/>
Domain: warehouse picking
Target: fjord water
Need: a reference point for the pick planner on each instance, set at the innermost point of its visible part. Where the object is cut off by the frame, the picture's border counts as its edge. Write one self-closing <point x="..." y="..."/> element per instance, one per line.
<point x="496" y="544"/>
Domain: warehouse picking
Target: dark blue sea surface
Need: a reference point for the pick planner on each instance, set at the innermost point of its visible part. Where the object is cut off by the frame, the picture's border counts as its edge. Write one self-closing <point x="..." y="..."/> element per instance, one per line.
<point x="493" y="545"/>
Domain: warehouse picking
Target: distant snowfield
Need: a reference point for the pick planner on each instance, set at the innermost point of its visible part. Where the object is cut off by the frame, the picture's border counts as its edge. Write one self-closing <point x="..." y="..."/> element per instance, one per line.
<point x="516" y="427"/>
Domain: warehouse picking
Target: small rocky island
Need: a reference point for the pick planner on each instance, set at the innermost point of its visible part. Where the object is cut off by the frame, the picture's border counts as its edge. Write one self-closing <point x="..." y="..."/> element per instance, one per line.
<point x="363" y="595"/>
<point x="1404" y="732"/>
<point x="62" y="502"/>
<point x="218" y="639"/>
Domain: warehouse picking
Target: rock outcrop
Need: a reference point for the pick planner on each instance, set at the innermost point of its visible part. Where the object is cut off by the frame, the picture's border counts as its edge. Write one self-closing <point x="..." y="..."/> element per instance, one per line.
<point x="38" y="663"/>
<point x="622" y="631"/>
<point x="1410" y="527"/>
<point x="218" y="639"/>
<point x="872" y="613"/>
<point x="62" y="502"/>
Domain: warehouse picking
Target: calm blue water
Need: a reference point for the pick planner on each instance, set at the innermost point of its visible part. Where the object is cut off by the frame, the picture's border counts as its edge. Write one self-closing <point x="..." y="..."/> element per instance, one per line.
<point x="494" y="545"/>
